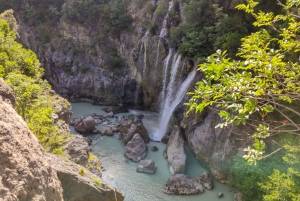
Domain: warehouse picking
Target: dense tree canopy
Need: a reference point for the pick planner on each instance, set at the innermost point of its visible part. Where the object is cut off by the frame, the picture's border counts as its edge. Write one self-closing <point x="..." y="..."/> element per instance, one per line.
<point x="261" y="90"/>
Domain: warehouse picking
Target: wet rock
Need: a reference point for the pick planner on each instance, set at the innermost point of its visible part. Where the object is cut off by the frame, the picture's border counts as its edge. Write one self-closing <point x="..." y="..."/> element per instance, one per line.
<point x="220" y="195"/>
<point x="85" y="125"/>
<point x="175" y="152"/>
<point x="154" y="148"/>
<point x="205" y="180"/>
<point x="147" y="166"/>
<point x="110" y="115"/>
<point x="136" y="149"/>
<point x="108" y="132"/>
<point x="96" y="131"/>
<point x="180" y="184"/>
<point x="165" y="139"/>
<point x="115" y="110"/>
<point x="115" y="129"/>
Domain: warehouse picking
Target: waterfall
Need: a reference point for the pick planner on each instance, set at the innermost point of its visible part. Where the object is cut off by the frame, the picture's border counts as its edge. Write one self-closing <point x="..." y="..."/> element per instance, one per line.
<point x="172" y="95"/>
<point x="164" y="30"/>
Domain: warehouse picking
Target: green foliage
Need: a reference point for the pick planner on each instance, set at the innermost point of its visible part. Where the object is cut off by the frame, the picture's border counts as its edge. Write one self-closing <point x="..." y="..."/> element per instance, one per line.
<point x="97" y="182"/>
<point x="261" y="90"/>
<point x="82" y="11"/>
<point x="82" y="172"/>
<point x="263" y="82"/>
<point x="21" y="70"/>
<point x="59" y="151"/>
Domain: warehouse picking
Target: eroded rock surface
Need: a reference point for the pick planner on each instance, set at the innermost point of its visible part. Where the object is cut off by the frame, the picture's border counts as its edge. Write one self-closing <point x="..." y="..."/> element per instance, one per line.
<point x="136" y="149"/>
<point x="175" y="152"/>
<point x="85" y="186"/>
<point x="129" y="128"/>
<point x="180" y="184"/>
<point x="24" y="172"/>
<point x="85" y="125"/>
<point x="147" y="166"/>
<point x="205" y="180"/>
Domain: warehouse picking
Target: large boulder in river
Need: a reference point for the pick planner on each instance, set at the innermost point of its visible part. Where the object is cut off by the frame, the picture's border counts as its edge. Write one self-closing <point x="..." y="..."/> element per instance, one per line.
<point x="85" y="125"/>
<point x="25" y="173"/>
<point x="175" y="152"/>
<point x="136" y="148"/>
<point x="205" y="180"/>
<point x="147" y="166"/>
<point x="180" y="184"/>
<point x="128" y="129"/>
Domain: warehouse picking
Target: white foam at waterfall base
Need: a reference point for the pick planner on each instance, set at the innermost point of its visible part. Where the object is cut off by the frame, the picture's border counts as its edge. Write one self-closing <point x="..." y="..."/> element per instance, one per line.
<point x="170" y="103"/>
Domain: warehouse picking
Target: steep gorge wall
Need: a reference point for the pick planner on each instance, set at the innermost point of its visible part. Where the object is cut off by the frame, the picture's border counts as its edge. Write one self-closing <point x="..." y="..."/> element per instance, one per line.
<point x="77" y="62"/>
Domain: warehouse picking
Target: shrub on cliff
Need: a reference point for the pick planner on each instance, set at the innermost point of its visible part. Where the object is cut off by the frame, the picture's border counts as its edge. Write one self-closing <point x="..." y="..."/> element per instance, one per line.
<point x="21" y="70"/>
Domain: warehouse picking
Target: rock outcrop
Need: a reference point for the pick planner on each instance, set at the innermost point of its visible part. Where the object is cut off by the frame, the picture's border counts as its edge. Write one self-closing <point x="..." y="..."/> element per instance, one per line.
<point x="80" y="184"/>
<point x="77" y="150"/>
<point x="128" y="129"/>
<point x="147" y="166"/>
<point x="175" y="152"/>
<point x="24" y="172"/>
<point x="180" y="184"/>
<point x="85" y="125"/>
<point x="136" y="148"/>
<point x="205" y="180"/>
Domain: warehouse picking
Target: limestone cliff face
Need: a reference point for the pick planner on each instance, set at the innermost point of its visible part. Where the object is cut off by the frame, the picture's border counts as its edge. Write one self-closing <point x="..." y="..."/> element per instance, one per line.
<point x="77" y="62"/>
<point x="24" y="172"/>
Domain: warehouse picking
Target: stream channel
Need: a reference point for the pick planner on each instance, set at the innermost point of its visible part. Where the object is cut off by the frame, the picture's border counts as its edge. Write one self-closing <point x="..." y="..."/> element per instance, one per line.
<point x="121" y="173"/>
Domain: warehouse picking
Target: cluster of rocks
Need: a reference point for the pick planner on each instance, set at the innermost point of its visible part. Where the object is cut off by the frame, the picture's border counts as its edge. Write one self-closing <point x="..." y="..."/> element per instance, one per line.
<point x="28" y="173"/>
<point x="179" y="183"/>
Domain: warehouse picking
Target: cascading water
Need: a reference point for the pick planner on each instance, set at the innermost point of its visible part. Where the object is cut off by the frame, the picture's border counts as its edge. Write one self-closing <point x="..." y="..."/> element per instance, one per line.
<point x="172" y="94"/>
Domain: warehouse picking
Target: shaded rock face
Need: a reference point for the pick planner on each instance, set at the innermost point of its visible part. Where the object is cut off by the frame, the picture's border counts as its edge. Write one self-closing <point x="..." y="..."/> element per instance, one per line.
<point x="180" y="184"/>
<point x="81" y="187"/>
<point x="128" y="129"/>
<point x="175" y="152"/>
<point x="147" y="166"/>
<point x="24" y="172"/>
<point x="136" y="149"/>
<point x="77" y="64"/>
<point x="85" y="125"/>
<point x="213" y="145"/>
<point x="205" y="180"/>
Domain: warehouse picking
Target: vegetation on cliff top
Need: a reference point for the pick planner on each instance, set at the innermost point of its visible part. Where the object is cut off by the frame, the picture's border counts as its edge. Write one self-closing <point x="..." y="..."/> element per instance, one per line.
<point x="261" y="90"/>
<point x="21" y="70"/>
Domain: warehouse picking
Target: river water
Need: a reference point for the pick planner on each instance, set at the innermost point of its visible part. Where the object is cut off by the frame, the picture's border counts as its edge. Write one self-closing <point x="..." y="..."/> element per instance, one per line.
<point x="121" y="173"/>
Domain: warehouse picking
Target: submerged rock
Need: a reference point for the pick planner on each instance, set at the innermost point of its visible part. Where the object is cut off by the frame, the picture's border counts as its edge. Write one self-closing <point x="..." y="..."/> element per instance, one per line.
<point x="175" y="152"/>
<point x="180" y="184"/>
<point x="154" y="148"/>
<point x="147" y="166"/>
<point x="205" y="180"/>
<point x="136" y="149"/>
<point x="220" y="194"/>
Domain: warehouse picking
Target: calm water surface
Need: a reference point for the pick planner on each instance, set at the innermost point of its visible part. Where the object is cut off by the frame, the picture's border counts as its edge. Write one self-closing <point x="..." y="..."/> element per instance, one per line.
<point x="121" y="173"/>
